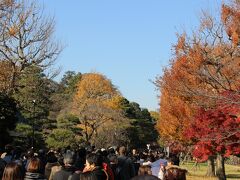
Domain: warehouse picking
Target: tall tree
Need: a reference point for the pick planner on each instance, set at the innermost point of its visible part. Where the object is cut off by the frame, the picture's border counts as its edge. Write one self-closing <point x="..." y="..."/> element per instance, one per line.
<point x="211" y="59"/>
<point x="26" y="38"/>
<point x="141" y="129"/>
<point x="176" y="110"/>
<point x="93" y="103"/>
<point x="33" y="98"/>
<point x="204" y="66"/>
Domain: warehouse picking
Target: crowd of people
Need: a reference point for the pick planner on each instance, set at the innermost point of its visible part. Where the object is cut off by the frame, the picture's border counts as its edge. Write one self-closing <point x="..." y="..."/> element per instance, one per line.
<point x="88" y="164"/>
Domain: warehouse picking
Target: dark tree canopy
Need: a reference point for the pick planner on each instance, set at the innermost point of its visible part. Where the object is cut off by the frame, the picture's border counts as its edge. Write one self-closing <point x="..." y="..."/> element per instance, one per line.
<point x="8" y="117"/>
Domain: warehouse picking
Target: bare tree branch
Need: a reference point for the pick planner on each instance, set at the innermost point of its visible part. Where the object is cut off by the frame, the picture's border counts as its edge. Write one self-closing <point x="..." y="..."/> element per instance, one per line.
<point x="27" y="38"/>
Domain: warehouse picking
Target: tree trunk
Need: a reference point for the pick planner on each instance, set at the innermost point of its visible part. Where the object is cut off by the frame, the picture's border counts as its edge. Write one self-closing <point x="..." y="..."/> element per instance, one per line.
<point x="186" y="157"/>
<point x="12" y="80"/>
<point x="211" y="166"/>
<point x="220" y="168"/>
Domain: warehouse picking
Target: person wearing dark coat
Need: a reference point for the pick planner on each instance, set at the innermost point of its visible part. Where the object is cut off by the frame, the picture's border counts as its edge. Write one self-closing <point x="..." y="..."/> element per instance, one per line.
<point x="67" y="170"/>
<point x="2" y="166"/>
<point x="75" y="176"/>
<point x="65" y="173"/>
<point x="125" y="169"/>
<point x="99" y="173"/>
<point x="94" y="167"/>
<point x="51" y="162"/>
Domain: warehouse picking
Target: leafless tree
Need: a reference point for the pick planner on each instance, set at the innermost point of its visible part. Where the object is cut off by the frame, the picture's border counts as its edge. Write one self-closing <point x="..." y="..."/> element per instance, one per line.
<point x="93" y="116"/>
<point x="26" y="38"/>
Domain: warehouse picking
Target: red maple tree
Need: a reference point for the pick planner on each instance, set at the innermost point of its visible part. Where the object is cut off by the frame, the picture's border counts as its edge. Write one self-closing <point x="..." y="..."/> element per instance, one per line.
<point x="216" y="131"/>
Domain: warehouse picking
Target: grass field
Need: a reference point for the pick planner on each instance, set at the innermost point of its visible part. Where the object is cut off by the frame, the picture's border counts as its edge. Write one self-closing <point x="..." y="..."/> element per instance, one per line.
<point x="197" y="173"/>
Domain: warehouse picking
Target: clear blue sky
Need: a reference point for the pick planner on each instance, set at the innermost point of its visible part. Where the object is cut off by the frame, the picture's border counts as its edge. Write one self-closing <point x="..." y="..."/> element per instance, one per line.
<point x="129" y="41"/>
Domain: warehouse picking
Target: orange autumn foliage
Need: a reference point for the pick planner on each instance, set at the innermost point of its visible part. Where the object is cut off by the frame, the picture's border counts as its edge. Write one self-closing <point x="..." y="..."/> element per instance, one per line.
<point x="96" y="103"/>
<point x="5" y="76"/>
<point x="95" y="86"/>
<point x="231" y="19"/>
<point x="204" y="65"/>
<point x="175" y="109"/>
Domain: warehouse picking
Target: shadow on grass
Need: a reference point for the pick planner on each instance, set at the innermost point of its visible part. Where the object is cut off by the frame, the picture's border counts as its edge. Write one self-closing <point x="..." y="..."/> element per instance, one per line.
<point x="233" y="176"/>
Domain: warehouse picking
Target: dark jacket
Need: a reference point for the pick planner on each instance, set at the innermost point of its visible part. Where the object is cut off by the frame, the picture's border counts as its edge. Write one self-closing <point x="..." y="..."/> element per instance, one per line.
<point x="75" y="176"/>
<point x="64" y="173"/>
<point x="2" y="166"/>
<point x="125" y="169"/>
<point x="98" y="173"/>
<point x="29" y="176"/>
<point x="114" y="167"/>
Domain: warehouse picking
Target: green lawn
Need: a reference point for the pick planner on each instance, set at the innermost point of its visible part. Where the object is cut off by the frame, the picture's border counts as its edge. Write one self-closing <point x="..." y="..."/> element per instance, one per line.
<point x="197" y="173"/>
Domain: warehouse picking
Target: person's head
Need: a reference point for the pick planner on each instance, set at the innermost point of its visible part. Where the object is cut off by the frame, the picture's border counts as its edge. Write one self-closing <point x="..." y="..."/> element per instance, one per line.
<point x="68" y="159"/>
<point x="30" y="154"/>
<point x="161" y="155"/>
<point x="35" y="165"/>
<point x="12" y="171"/>
<point x="104" y="152"/>
<point x="142" y="156"/>
<point x="111" y="150"/>
<point x="170" y="162"/>
<point x="8" y="148"/>
<point x="122" y="150"/>
<point x="150" y="158"/>
<point x="143" y="170"/>
<point x="134" y="151"/>
<point x="82" y="152"/>
<point x="93" y="160"/>
<point x="51" y="158"/>
<point x="17" y="152"/>
<point x="41" y="153"/>
<point x="113" y="158"/>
